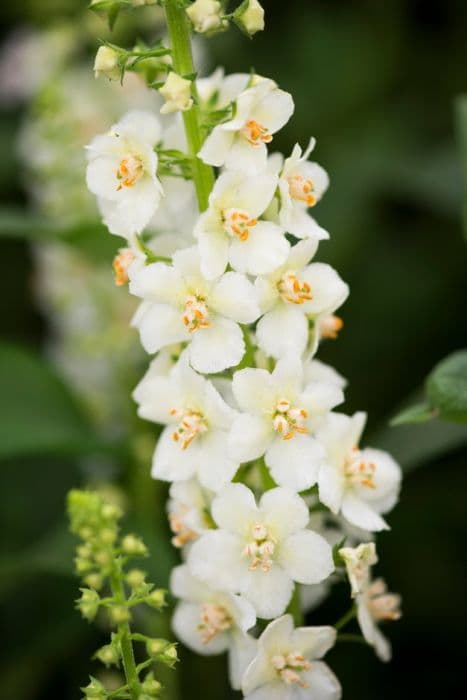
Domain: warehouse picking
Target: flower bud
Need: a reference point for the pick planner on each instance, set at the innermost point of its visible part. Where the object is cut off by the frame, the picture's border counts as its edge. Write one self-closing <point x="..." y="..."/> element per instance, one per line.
<point x="250" y="17"/>
<point x="94" y="580"/>
<point x="155" y="647"/>
<point x="108" y="655"/>
<point x="88" y="604"/>
<point x="106" y="63"/>
<point x="119" y="614"/>
<point x="95" y="690"/>
<point x="156" y="599"/>
<point x="150" y="686"/>
<point x="82" y="566"/>
<point x="169" y="656"/>
<point x="133" y="546"/>
<point x="135" y="578"/>
<point x="206" y="16"/>
<point x="177" y="93"/>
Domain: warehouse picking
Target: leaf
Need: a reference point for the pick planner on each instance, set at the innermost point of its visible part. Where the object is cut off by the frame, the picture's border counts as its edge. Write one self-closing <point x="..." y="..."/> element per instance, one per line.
<point x="447" y="387"/>
<point x="39" y="414"/>
<point x="419" y="413"/>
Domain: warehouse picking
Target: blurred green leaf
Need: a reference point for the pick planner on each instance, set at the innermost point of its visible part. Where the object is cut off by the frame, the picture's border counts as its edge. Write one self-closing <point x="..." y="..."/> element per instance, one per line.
<point x="39" y="414"/>
<point x="461" y="128"/>
<point x="447" y="387"/>
<point x="419" y="413"/>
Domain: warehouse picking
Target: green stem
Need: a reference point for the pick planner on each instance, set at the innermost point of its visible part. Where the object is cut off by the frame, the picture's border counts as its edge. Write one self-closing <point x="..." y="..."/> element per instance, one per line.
<point x="124" y="635"/>
<point x="294" y="607"/>
<point x="353" y="638"/>
<point x="345" y="619"/>
<point x="179" y="34"/>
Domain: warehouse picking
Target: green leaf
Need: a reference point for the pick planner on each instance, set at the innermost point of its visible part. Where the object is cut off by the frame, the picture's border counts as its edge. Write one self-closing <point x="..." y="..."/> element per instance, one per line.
<point x="447" y="387"/>
<point x="39" y="414"/>
<point x="419" y="413"/>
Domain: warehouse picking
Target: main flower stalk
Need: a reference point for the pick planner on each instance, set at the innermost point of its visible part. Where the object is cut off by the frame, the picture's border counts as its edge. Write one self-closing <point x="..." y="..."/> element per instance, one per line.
<point x="182" y="61"/>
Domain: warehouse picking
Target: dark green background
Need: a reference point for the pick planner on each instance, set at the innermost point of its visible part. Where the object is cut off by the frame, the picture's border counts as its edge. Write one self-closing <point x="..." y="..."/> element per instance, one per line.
<point x="376" y="83"/>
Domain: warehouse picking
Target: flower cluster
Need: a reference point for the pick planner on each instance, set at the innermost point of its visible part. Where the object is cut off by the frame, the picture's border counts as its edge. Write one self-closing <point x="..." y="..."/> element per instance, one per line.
<point x="266" y="476"/>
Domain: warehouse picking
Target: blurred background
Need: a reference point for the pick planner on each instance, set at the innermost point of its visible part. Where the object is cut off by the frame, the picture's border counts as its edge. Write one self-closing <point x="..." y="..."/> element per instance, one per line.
<point x="378" y="84"/>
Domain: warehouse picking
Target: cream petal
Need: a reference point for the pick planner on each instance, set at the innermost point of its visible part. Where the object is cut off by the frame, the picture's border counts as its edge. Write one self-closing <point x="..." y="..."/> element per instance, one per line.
<point x="360" y="513"/>
<point x="234" y="296"/>
<point x="216" y="468"/>
<point x="234" y="509"/>
<point x="215" y="348"/>
<point x="254" y="390"/>
<point x="274" y="110"/>
<point x="265" y="249"/>
<point x="295" y="463"/>
<point x="160" y="325"/>
<point x="217" y="557"/>
<point x="282" y="330"/>
<point x="241" y="653"/>
<point x="322" y="683"/>
<point x="171" y="462"/>
<point x="306" y="557"/>
<point x="328" y="289"/>
<point x="216" y="147"/>
<point x="185" y="624"/>
<point x="214" y="253"/>
<point x="314" y="642"/>
<point x="331" y="484"/>
<point x="283" y="511"/>
<point x="250" y="436"/>
<point x="268" y="591"/>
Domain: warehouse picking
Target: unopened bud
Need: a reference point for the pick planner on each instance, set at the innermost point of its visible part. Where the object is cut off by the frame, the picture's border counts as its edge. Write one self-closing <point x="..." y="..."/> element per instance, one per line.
<point x="250" y="17"/>
<point x="106" y="63"/>
<point x="177" y="94"/>
<point x="133" y="546"/>
<point x="94" y="580"/>
<point x="135" y="578"/>
<point x="155" y="647"/>
<point x="156" y="599"/>
<point x="88" y="604"/>
<point x="95" y="690"/>
<point x="119" y="614"/>
<point x="169" y="656"/>
<point x="206" y="16"/>
<point x="108" y="655"/>
<point x="150" y="686"/>
<point x="82" y="566"/>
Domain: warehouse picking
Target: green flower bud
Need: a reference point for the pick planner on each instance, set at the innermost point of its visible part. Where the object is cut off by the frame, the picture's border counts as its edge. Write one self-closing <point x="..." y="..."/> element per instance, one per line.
<point x="133" y="546"/>
<point x="156" y="599"/>
<point x="249" y="16"/>
<point x="155" y="647"/>
<point x="88" y="604"/>
<point x="94" y="580"/>
<point x="150" y="686"/>
<point x="119" y="614"/>
<point x="82" y="566"/>
<point x="95" y="690"/>
<point x="108" y="535"/>
<point x="135" y="578"/>
<point x="103" y="557"/>
<point x="108" y="655"/>
<point x="169" y="656"/>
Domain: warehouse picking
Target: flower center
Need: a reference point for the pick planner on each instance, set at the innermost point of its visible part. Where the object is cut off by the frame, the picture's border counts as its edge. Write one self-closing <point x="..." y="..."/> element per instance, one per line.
<point x="256" y="133"/>
<point x="120" y="265"/>
<point x="214" y="619"/>
<point x="293" y="290"/>
<point x="302" y="190"/>
<point x="192" y="424"/>
<point x="196" y="314"/>
<point x="260" y="549"/>
<point x="129" y="171"/>
<point x="182" y="533"/>
<point x="329" y="326"/>
<point x="358" y="471"/>
<point x="383" y="605"/>
<point x="287" y="420"/>
<point x="238" y="222"/>
<point x="289" y="667"/>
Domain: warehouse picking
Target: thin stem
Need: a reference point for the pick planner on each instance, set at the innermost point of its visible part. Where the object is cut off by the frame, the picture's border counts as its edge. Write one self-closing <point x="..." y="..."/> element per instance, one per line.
<point x="345" y="619"/>
<point x="124" y="635"/>
<point x="354" y="638"/>
<point x="182" y="59"/>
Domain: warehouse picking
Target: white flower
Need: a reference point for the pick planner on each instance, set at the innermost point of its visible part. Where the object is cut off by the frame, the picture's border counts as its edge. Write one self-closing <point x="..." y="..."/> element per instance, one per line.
<point x="188" y="506"/>
<point x="240" y="143"/>
<point x="293" y="294"/>
<point x="122" y="172"/>
<point x="301" y="186"/>
<point x="375" y="604"/>
<point x="287" y="665"/>
<point x="106" y="63"/>
<point x="250" y="17"/>
<point x="316" y="371"/>
<point x="197" y="420"/>
<point x="217" y="90"/>
<point x="209" y="621"/>
<point x="358" y="561"/>
<point x="280" y="412"/>
<point x="177" y="94"/>
<point x="230" y="230"/>
<point x="359" y="483"/>
<point x="259" y="551"/>
<point x="180" y="305"/>
<point x="205" y="15"/>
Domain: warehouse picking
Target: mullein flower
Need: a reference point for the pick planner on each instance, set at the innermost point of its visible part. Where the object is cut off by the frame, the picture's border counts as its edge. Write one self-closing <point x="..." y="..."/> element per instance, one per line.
<point x="180" y="305"/>
<point x="279" y="416"/>
<point x="240" y="142"/>
<point x="122" y="172"/>
<point x="288" y="664"/>
<point x="188" y="511"/>
<point x="260" y="550"/>
<point x="360" y="484"/>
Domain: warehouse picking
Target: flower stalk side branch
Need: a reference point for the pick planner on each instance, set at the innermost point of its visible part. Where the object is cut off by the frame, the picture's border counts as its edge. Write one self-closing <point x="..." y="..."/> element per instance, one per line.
<point x="124" y="633"/>
<point x="179" y="36"/>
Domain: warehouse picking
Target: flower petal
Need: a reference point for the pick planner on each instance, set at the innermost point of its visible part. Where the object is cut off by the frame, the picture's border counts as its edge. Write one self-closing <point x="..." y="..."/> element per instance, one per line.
<point x="185" y="624"/>
<point x="254" y="390"/>
<point x="295" y="463"/>
<point x="306" y="557"/>
<point x="241" y="653"/>
<point x="265" y="249"/>
<point x="283" y="511"/>
<point x="159" y="325"/>
<point x="216" y="146"/>
<point x="268" y="591"/>
<point x="216" y="468"/>
<point x="321" y="682"/>
<point x="282" y="330"/>
<point x="214" y="252"/>
<point x="314" y="642"/>
<point x="215" y="348"/>
<point x="217" y="556"/>
<point x="234" y="296"/>
<point x="171" y="462"/>
<point x="360" y="513"/>
<point x="234" y="509"/>
<point x="250" y="436"/>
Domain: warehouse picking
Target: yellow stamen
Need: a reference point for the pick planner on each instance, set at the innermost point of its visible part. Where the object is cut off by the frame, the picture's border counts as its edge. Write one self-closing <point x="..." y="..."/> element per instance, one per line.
<point x="256" y="133"/>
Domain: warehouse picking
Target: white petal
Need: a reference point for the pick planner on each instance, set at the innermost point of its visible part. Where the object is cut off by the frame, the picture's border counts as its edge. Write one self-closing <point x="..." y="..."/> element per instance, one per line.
<point x="185" y="624"/>
<point x="320" y="397"/>
<point x="331" y="484"/>
<point x="371" y="631"/>
<point x="217" y="412"/>
<point x="250" y="436"/>
<point x="216" y="557"/>
<point x="282" y="330"/>
<point x="387" y="479"/>
<point x="155" y="396"/>
<point x="268" y="591"/>
<point x="156" y="282"/>
<point x="184" y="585"/>
<point x="143" y="125"/>
<point x="283" y="511"/>
<point x="160" y="325"/>
<point x="295" y="463"/>
<point x="288" y="375"/>
<point x="100" y="177"/>
<point x="216" y="146"/>
<point x="214" y="253"/>
<point x="254" y="390"/>
<point x="301" y="253"/>
<point x="171" y="462"/>
<point x="307" y="557"/>
<point x="234" y="509"/>
<point x="275" y="690"/>
<point x="234" y="296"/>
<point x="317" y="371"/>
<point x="216" y="468"/>
<point x="360" y="513"/>
<point x="267" y="292"/>
<point x="322" y="683"/>
<point x="318" y="175"/>
<point x="241" y="653"/>
<point x="243" y="157"/>
<point x="274" y="110"/>
<point x="277" y="634"/>
<point x="314" y="642"/>
<point x="215" y="348"/>
<point x="296" y="220"/>
<point x="252" y="194"/>
<point x="328" y="289"/>
<point x="265" y="249"/>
